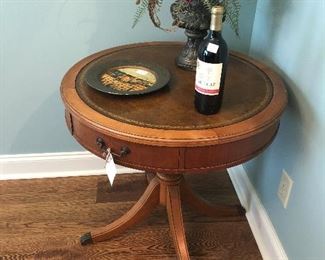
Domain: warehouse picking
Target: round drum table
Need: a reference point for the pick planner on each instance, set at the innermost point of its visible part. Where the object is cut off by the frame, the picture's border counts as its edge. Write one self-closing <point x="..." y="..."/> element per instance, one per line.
<point x="163" y="134"/>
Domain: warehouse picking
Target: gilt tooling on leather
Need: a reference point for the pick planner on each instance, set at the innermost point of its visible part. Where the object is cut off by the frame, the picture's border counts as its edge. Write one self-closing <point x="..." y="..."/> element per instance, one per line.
<point x="154" y="110"/>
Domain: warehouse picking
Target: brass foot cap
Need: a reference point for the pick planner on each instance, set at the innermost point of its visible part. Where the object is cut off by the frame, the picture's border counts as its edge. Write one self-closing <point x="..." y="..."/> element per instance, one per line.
<point x="86" y="239"/>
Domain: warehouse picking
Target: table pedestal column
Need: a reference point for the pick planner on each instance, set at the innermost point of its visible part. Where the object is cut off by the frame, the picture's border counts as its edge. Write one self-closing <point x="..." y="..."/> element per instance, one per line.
<point x="169" y="190"/>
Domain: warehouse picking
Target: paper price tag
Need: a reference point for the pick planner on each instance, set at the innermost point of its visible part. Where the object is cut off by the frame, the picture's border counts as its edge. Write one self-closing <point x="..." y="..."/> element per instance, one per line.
<point x="213" y="47"/>
<point x="110" y="167"/>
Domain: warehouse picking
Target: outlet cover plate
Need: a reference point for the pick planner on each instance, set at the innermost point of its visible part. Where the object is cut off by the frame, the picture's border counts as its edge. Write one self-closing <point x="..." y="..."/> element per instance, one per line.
<point x="285" y="188"/>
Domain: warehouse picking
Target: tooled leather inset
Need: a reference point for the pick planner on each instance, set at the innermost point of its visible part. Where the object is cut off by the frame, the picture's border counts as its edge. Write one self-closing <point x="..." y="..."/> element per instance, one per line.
<point x="247" y="92"/>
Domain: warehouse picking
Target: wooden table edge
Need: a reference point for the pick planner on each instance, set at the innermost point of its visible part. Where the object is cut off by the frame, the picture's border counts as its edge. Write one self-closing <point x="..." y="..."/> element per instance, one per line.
<point x="173" y="138"/>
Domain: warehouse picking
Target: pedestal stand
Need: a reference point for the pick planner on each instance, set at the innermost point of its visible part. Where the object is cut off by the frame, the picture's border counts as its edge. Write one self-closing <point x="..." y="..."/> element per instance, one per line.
<point x="169" y="190"/>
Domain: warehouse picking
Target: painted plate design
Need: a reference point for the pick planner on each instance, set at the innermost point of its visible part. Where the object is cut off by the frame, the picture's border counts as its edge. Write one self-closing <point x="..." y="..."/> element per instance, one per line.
<point x="126" y="77"/>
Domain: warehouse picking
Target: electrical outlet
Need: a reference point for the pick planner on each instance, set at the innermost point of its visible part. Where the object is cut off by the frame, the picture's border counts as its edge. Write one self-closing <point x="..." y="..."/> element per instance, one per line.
<point x="285" y="187"/>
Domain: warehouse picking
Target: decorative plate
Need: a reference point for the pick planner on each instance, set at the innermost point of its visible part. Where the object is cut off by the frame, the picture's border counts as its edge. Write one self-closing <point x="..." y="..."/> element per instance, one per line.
<point x="124" y="77"/>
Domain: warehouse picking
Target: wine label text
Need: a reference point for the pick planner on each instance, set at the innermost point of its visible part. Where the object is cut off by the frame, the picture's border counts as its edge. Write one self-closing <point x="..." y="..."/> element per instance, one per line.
<point x="208" y="76"/>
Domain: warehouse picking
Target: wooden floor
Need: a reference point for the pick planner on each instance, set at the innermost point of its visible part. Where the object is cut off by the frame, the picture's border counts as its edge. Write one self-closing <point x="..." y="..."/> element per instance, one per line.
<point x="43" y="219"/>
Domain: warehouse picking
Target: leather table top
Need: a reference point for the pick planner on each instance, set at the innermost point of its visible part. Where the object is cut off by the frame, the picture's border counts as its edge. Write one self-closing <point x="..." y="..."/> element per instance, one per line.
<point x="248" y="91"/>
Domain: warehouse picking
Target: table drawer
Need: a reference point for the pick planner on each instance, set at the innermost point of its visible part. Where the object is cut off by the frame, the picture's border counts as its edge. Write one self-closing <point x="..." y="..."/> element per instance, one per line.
<point x="138" y="156"/>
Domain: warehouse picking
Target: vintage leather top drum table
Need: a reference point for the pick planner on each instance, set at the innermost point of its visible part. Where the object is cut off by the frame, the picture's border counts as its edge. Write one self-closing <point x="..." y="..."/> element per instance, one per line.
<point x="162" y="133"/>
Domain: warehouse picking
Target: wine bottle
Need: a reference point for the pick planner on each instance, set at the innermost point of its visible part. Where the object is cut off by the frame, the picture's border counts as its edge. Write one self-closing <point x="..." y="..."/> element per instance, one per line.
<point x="211" y="67"/>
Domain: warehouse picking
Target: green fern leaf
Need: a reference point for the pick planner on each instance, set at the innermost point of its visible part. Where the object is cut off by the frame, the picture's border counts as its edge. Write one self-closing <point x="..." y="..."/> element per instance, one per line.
<point x="232" y="8"/>
<point x="139" y="12"/>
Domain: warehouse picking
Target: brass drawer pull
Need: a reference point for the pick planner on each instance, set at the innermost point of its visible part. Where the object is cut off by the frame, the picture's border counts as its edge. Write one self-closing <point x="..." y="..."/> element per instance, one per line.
<point x="103" y="147"/>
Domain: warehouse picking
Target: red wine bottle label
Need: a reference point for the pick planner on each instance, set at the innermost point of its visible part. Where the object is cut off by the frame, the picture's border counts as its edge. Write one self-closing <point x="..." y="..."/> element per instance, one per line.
<point x="207" y="79"/>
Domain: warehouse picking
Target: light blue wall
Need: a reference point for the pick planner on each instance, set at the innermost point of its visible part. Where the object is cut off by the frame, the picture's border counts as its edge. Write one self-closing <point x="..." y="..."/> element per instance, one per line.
<point x="41" y="39"/>
<point x="246" y="21"/>
<point x="289" y="35"/>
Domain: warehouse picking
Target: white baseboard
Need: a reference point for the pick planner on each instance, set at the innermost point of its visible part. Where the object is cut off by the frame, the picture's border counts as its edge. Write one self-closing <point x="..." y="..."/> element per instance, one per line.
<point x="258" y="219"/>
<point x="51" y="165"/>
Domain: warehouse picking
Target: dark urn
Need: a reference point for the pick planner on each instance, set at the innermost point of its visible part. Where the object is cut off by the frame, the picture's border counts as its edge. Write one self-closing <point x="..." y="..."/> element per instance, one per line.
<point x="194" y="17"/>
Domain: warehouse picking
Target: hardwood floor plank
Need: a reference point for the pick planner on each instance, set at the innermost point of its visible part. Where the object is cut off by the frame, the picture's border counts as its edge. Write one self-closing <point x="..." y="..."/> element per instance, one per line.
<point x="148" y="242"/>
<point x="47" y="223"/>
<point x="50" y="185"/>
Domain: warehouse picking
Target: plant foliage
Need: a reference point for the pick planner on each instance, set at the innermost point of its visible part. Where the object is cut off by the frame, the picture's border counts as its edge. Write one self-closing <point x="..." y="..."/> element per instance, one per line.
<point x="232" y="11"/>
<point x="142" y="7"/>
<point x="232" y="8"/>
